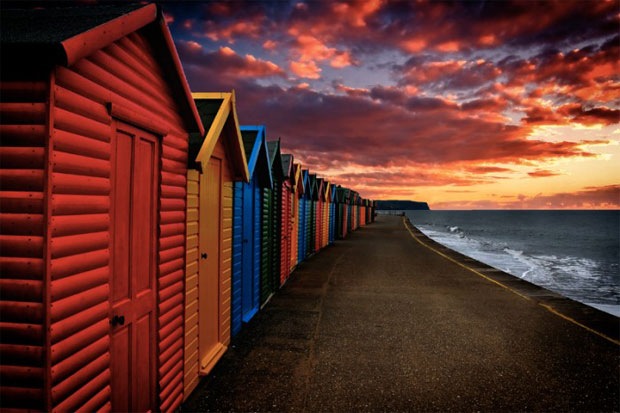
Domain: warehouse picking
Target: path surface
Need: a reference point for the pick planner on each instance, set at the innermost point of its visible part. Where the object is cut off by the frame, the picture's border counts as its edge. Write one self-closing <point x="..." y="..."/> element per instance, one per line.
<point x="380" y="322"/>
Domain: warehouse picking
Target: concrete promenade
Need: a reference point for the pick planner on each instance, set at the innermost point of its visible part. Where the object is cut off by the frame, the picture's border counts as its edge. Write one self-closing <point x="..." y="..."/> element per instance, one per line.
<point x="384" y="321"/>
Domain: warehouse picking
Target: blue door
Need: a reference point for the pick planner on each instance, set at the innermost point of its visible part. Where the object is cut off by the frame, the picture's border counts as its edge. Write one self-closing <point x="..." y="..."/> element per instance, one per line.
<point x="249" y="292"/>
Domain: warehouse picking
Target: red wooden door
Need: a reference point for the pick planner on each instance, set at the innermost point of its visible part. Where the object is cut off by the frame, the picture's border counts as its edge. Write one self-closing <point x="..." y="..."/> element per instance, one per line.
<point x="132" y="281"/>
<point x="209" y="268"/>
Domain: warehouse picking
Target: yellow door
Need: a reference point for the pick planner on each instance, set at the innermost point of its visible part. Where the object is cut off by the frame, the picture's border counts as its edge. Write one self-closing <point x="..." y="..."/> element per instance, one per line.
<point x="209" y="267"/>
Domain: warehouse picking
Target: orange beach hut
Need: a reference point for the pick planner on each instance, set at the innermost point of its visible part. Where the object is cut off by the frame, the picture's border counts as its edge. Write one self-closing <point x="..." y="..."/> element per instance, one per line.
<point x="216" y="159"/>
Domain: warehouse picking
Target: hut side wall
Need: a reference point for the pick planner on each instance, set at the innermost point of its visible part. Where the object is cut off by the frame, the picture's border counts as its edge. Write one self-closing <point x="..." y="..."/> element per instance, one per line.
<point x="301" y="231"/>
<point x="294" y="230"/>
<point x="318" y="225"/>
<point x="326" y="208"/>
<point x="23" y="217"/>
<point x="255" y="269"/>
<point x="192" y="362"/>
<point x="126" y="74"/>
<point x="266" y="246"/>
<point x="286" y="231"/>
<point x="275" y="241"/>
<point x="237" y="257"/>
<point x="226" y="254"/>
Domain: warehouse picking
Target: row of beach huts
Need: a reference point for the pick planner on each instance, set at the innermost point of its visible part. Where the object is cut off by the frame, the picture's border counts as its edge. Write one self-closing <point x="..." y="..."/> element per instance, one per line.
<point x="141" y="225"/>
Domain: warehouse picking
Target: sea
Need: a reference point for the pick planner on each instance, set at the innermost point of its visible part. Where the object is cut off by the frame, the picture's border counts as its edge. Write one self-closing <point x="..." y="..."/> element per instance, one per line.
<point x="573" y="253"/>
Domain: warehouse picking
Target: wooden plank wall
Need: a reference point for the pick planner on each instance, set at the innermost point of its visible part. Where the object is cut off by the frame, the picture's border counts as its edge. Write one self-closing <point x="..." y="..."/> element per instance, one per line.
<point x="128" y="74"/>
<point x="237" y="258"/>
<point x="23" y="131"/>
<point x="226" y="238"/>
<point x="192" y="362"/>
<point x="294" y="229"/>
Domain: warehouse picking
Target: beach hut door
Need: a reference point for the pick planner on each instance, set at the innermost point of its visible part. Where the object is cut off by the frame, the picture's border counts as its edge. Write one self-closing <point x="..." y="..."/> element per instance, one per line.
<point x="209" y="267"/>
<point x="132" y="280"/>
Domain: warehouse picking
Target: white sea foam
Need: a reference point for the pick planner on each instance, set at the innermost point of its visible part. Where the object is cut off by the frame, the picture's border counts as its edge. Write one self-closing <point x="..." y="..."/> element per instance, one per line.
<point x="608" y="308"/>
<point x="575" y="277"/>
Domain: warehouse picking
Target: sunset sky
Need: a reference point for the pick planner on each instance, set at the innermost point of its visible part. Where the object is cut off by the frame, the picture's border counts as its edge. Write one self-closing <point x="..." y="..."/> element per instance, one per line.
<point x="465" y="105"/>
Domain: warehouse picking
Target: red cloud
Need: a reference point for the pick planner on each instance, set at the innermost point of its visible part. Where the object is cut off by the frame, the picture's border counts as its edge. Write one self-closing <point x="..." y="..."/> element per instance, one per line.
<point x="487" y="169"/>
<point x="351" y="91"/>
<point x="449" y="74"/>
<point x="438" y="109"/>
<point x="308" y="70"/>
<point x="364" y="132"/>
<point x="542" y="173"/>
<point x="603" y="197"/>
<point x="225" y="62"/>
<point x="463" y="26"/>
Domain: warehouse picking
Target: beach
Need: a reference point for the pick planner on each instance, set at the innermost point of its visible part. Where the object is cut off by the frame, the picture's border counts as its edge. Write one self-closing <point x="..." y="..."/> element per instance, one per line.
<point x="388" y="320"/>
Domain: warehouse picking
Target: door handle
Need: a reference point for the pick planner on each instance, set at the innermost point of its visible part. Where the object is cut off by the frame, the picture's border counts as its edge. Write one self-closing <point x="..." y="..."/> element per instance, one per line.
<point x="204" y="255"/>
<point x="117" y="320"/>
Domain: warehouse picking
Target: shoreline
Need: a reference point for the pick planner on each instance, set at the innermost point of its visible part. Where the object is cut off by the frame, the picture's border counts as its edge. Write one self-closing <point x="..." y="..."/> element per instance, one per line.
<point x="599" y="322"/>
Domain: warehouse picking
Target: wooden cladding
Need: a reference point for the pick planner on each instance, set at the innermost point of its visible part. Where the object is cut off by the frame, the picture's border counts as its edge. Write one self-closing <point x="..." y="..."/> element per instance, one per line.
<point x="58" y="229"/>
<point x="23" y="112"/>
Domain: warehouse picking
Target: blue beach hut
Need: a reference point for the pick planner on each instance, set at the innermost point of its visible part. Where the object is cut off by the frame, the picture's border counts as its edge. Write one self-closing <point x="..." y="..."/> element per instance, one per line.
<point x="304" y="215"/>
<point x="246" y="244"/>
<point x="310" y="209"/>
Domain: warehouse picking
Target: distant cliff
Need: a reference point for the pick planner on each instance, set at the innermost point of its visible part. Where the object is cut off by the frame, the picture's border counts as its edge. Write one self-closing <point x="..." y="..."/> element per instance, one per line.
<point x="402" y="205"/>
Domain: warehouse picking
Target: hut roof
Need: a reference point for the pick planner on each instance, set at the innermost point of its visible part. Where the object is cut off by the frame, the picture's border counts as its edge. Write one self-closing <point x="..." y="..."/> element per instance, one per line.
<point x="61" y="33"/>
<point x="275" y="158"/>
<point x="287" y="165"/>
<point x="219" y="117"/>
<point x="255" y="146"/>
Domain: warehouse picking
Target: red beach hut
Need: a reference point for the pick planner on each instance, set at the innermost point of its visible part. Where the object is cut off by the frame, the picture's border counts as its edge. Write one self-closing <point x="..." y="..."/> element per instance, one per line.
<point x="286" y="217"/>
<point x="362" y="216"/>
<point x="95" y="119"/>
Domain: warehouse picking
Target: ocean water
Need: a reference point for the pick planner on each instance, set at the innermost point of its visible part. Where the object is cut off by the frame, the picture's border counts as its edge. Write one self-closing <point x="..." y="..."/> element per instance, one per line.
<point x="574" y="253"/>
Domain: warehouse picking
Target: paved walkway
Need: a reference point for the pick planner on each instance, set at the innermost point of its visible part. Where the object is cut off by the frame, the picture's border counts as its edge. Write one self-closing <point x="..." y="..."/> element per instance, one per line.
<point x="380" y="322"/>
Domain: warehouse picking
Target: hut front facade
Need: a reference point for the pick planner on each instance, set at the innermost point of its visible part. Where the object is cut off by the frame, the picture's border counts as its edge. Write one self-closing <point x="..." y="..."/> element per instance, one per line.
<point x="96" y="117"/>
<point x="247" y="227"/>
<point x="216" y="161"/>
<point x="298" y="189"/>
<point x="286" y="217"/>
<point x="326" y="207"/>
